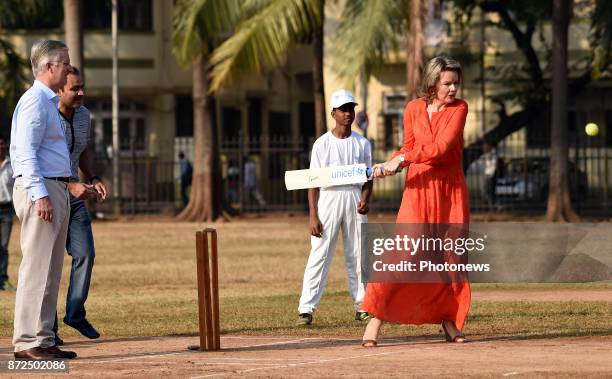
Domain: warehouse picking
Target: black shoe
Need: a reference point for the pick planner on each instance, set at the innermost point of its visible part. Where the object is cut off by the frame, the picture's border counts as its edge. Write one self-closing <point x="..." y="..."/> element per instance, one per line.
<point x="60" y="354"/>
<point x="362" y="316"/>
<point x="58" y="341"/>
<point x="85" y="328"/>
<point x="305" y="319"/>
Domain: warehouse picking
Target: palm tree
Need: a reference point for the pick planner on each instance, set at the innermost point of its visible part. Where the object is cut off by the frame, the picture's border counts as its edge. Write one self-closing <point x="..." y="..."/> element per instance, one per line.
<point x="198" y="25"/>
<point x="416" y="48"/>
<point x="73" y="27"/>
<point x="559" y="203"/>
<point x="12" y="83"/>
<point x="266" y="31"/>
<point x="375" y="26"/>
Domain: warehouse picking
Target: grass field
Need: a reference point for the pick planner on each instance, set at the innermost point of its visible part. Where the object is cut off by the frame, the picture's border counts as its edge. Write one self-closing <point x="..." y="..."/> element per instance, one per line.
<point x="144" y="284"/>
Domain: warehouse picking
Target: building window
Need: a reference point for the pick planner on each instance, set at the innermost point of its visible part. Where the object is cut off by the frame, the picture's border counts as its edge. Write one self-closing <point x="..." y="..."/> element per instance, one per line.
<point x="132" y="127"/>
<point x="393" y="111"/>
<point x="134" y="15"/>
<point x="183" y="113"/>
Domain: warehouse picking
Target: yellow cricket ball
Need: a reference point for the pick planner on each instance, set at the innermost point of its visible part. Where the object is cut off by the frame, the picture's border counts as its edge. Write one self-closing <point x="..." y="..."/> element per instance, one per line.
<point x="591" y="129"/>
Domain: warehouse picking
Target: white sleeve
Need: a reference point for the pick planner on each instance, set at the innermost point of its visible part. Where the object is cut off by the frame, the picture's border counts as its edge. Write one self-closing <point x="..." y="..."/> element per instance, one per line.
<point x="315" y="159"/>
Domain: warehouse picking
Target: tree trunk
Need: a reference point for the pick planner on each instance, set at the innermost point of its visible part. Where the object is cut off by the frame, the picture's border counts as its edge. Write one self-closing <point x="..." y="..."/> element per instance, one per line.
<point x="74" y="33"/>
<point x="415" y="49"/>
<point x="204" y="200"/>
<point x="559" y="203"/>
<point x="317" y="74"/>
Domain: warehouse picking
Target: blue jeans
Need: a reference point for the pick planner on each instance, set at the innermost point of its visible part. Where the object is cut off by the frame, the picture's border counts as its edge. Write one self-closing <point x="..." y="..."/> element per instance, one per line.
<point x="6" y="224"/>
<point x="80" y="246"/>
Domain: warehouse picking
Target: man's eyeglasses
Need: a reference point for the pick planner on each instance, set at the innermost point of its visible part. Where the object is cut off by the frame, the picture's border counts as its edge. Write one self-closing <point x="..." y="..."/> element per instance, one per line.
<point x="58" y="62"/>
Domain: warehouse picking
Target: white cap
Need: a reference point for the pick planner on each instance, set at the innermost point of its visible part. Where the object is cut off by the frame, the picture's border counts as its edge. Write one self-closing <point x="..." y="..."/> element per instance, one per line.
<point x="341" y="97"/>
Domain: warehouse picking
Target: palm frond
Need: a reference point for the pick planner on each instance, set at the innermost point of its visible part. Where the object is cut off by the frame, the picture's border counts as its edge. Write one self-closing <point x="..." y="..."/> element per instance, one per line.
<point x="366" y="35"/>
<point x="262" y="39"/>
<point x="601" y="37"/>
<point x="12" y="80"/>
<point x="198" y="24"/>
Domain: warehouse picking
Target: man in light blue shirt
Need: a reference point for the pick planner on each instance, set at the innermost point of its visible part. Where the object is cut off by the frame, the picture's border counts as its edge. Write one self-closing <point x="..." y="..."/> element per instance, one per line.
<point x="41" y="167"/>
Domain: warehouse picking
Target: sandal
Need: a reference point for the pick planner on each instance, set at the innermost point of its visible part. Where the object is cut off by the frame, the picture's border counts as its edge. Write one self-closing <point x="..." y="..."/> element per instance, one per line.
<point x="458" y="338"/>
<point x="369" y="343"/>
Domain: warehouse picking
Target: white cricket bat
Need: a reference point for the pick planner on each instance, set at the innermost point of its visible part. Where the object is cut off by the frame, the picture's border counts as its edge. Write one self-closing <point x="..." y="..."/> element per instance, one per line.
<point x="328" y="176"/>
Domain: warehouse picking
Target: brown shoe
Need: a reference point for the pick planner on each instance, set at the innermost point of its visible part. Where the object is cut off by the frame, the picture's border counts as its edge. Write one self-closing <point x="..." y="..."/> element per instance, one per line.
<point x="61" y="354"/>
<point x="34" y="354"/>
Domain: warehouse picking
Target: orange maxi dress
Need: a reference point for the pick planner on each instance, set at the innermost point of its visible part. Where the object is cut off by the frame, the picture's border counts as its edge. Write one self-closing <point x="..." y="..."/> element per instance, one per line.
<point x="435" y="192"/>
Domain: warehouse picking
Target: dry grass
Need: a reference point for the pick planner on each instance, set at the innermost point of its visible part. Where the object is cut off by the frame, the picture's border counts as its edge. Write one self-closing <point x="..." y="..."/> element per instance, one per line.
<point x="144" y="284"/>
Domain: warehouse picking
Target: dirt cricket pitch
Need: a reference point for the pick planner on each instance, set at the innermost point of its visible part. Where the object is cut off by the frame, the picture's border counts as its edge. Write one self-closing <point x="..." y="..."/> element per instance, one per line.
<point x="286" y="356"/>
<point x="251" y="356"/>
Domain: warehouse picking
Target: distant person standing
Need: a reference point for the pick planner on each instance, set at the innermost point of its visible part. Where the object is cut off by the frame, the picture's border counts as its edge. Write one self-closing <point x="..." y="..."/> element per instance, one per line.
<point x="76" y="123"/>
<point x="491" y="173"/>
<point x="186" y="177"/>
<point x="6" y="212"/>
<point x="250" y="182"/>
<point x="41" y="168"/>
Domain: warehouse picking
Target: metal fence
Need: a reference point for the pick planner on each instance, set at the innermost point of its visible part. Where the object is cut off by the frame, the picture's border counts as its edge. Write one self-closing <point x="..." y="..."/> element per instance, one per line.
<point x="252" y="172"/>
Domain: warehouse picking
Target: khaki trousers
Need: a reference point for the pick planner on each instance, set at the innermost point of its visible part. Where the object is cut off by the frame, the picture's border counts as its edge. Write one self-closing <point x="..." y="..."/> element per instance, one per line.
<point x="42" y="248"/>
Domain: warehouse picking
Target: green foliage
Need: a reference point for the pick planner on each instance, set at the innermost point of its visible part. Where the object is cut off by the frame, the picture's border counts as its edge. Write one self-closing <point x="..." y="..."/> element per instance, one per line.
<point x="16" y="14"/>
<point x="369" y="31"/>
<point x="601" y="38"/>
<point x="199" y="24"/>
<point x="264" y="34"/>
<point x="12" y="80"/>
<point x="31" y="14"/>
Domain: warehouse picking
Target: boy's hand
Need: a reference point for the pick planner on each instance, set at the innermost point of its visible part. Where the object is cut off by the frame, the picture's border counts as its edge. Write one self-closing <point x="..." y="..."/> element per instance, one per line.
<point x="316" y="228"/>
<point x="362" y="207"/>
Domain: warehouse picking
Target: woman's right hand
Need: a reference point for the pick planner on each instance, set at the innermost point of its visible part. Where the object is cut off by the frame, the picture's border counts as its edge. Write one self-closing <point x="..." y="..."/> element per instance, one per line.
<point x="391" y="167"/>
<point x="378" y="170"/>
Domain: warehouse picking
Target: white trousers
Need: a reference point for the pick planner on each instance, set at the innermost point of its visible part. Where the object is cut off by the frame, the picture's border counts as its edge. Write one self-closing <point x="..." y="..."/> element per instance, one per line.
<point x="42" y="248"/>
<point x="337" y="211"/>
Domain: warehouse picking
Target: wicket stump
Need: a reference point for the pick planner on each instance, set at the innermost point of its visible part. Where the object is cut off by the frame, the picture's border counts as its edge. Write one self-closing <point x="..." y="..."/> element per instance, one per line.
<point x="208" y="290"/>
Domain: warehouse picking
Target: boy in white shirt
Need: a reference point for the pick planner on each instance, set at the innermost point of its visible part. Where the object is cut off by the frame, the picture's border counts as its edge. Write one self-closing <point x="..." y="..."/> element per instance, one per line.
<point x="334" y="208"/>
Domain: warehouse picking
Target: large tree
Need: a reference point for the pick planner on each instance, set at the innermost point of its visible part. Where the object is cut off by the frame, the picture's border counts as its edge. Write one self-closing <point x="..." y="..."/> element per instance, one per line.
<point x="266" y="31"/>
<point x="198" y="27"/>
<point x="559" y="203"/>
<point x="415" y="52"/>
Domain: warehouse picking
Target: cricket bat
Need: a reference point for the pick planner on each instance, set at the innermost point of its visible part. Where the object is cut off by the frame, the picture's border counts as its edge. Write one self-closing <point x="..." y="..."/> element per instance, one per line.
<point x="327" y="176"/>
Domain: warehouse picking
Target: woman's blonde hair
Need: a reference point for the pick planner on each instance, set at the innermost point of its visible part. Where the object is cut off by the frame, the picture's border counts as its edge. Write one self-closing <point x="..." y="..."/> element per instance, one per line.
<point x="431" y="75"/>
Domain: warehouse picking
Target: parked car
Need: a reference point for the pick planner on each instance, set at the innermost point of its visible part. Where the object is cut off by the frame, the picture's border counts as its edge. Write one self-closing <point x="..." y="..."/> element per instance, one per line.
<point x="528" y="180"/>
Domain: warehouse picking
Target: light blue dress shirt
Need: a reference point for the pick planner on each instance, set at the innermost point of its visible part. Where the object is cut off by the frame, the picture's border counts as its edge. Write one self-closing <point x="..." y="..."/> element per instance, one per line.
<point x="38" y="145"/>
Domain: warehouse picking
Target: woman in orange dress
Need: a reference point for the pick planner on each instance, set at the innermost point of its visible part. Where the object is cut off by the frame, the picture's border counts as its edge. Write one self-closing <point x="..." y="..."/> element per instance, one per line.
<point x="435" y="192"/>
